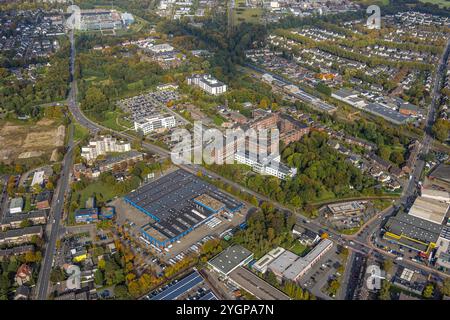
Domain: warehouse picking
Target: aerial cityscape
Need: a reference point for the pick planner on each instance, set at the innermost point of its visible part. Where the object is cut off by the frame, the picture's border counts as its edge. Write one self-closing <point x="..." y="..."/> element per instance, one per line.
<point x="225" y="150"/>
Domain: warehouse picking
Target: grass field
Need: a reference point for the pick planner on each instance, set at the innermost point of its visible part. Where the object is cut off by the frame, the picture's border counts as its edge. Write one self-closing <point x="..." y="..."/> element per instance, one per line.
<point x="114" y="121"/>
<point x="79" y="132"/>
<point x="244" y="14"/>
<point x="369" y="2"/>
<point x="299" y="249"/>
<point x="98" y="188"/>
<point x="441" y="3"/>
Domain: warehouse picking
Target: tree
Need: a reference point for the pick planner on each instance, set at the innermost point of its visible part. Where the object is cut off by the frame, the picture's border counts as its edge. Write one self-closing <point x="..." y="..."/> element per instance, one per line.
<point x="98" y="277"/>
<point x="49" y="185"/>
<point x="385" y="291"/>
<point x="428" y="292"/>
<point x="57" y="275"/>
<point x="441" y="129"/>
<point x="397" y="157"/>
<point x="121" y="292"/>
<point x="323" y="88"/>
<point x="384" y="152"/>
<point x="26" y="223"/>
<point x="387" y="265"/>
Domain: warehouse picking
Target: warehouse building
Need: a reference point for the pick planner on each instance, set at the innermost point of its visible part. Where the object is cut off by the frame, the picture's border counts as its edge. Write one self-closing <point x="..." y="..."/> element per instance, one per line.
<point x="178" y="203"/>
<point x="441" y="176"/>
<point x="443" y="250"/>
<point x="253" y="284"/>
<point x="412" y="232"/>
<point x="435" y="193"/>
<point x="429" y="209"/>
<point x="230" y="259"/>
<point x="386" y="113"/>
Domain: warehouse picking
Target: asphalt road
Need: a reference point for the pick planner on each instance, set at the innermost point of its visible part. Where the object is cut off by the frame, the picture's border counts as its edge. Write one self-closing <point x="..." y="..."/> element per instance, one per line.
<point x="55" y="215"/>
<point x="54" y="223"/>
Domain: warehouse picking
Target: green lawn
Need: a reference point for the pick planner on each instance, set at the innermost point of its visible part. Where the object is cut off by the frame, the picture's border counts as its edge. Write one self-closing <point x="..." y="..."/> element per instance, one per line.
<point x="113" y="121"/>
<point x="350" y="231"/>
<point x="244" y="14"/>
<point x="101" y="190"/>
<point x="27" y="206"/>
<point x="299" y="249"/>
<point x="79" y="132"/>
<point x="376" y="2"/>
<point x="218" y="120"/>
<point x="441" y="3"/>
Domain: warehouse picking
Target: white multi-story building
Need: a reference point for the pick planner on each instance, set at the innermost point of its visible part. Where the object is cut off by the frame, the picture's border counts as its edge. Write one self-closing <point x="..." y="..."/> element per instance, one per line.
<point x="148" y="125"/>
<point x="207" y="83"/>
<point x="272" y="166"/>
<point x="161" y="48"/>
<point x="102" y="146"/>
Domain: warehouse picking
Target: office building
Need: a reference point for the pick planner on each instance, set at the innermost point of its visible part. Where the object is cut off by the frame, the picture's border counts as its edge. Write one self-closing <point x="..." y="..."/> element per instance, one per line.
<point x="207" y="83"/>
<point x="38" y="178"/>
<point x="158" y="122"/>
<point x="269" y="166"/>
<point x="292" y="267"/>
<point x="262" y="264"/>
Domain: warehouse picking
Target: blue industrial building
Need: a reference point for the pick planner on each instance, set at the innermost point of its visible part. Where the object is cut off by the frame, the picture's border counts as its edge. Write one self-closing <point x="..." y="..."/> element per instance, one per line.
<point x="178" y="203"/>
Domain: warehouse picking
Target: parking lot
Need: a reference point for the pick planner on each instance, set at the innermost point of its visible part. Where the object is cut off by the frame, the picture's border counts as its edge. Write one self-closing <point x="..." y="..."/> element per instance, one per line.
<point x="317" y="277"/>
<point x="148" y="104"/>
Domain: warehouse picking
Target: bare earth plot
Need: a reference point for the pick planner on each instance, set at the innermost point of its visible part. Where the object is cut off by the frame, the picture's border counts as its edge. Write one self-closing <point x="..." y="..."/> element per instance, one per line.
<point x="29" y="140"/>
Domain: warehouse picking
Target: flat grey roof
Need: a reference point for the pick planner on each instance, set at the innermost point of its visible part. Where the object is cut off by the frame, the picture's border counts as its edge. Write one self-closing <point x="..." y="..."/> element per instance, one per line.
<point x="413" y="227"/>
<point x="442" y="172"/>
<point x="20" y="232"/>
<point x="344" y="93"/>
<point x="23" y="216"/>
<point x="175" y="191"/>
<point x="169" y="201"/>
<point x="386" y="113"/>
<point x="16" y="203"/>
<point x="256" y="286"/>
<point x="230" y="258"/>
